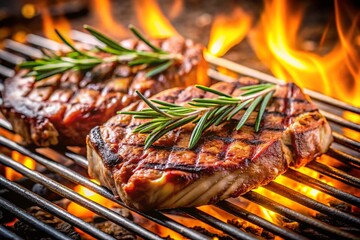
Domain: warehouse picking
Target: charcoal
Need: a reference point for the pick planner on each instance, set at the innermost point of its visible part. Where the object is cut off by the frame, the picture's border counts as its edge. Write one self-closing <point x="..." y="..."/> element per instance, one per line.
<point x="339" y="205"/>
<point x="121" y="211"/>
<point x="251" y="228"/>
<point x="28" y="232"/>
<point x="210" y="234"/>
<point x="113" y="229"/>
<point x="5" y="216"/>
<point x="44" y="192"/>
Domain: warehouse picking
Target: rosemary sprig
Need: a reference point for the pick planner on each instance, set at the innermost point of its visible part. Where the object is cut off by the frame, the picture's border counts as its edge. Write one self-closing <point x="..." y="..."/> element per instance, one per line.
<point x="203" y="112"/>
<point x="157" y="61"/>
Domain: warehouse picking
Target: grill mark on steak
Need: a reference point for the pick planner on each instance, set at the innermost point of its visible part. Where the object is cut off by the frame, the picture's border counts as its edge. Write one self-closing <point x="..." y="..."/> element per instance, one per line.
<point x="74" y="102"/>
<point x="225" y="162"/>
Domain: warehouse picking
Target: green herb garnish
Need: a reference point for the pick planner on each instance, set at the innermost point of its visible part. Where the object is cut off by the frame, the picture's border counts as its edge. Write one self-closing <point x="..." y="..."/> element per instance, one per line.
<point x="157" y="61"/>
<point x="203" y="112"/>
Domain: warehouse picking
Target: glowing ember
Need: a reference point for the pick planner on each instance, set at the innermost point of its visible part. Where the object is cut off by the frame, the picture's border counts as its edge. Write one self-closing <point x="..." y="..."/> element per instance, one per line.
<point x="102" y="11"/>
<point x="26" y="161"/>
<point x="152" y="19"/>
<point x="82" y="212"/>
<point x="227" y="31"/>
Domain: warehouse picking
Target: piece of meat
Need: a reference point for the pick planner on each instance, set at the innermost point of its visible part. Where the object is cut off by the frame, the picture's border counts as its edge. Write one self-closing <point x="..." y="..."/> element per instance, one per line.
<point x="63" y="108"/>
<point x="225" y="163"/>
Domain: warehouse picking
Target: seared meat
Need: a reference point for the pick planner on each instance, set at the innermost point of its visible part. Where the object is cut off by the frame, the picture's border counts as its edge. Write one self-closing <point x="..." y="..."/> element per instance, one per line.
<point x="63" y="108"/>
<point x="225" y="162"/>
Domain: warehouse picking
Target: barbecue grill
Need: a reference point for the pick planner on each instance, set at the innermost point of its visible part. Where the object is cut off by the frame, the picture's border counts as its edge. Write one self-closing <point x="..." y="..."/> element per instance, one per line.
<point x="343" y="149"/>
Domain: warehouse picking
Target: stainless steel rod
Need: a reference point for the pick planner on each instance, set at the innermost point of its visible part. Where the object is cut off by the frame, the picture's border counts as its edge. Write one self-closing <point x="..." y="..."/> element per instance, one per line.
<point x="235" y="67"/>
<point x="334" y="173"/>
<point x="313" y="204"/>
<point x="348" y="142"/>
<point x="319" y="185"/>
<point x="75" y="197"/>
<point x="344" y="157"/>
<point x="294" y="215"/>
<point x="7" y="234"/>
<point x="78" y="179"/>
<point x="33" y="221"/>
<point x="54" y="209"/>
<point x="255" y="219"/>
<point x="212" y="221"/>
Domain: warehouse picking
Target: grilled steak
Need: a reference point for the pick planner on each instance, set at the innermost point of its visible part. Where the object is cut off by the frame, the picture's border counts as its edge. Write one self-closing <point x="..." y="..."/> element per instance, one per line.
<point x="63" y="108"/>
<point x="225" y="162"/>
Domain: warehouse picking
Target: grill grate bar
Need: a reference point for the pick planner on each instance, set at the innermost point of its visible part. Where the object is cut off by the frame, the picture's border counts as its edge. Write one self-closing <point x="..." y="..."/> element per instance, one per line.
<point x="160" y="218"/>
<point x="10" y="57"/>
<point x="33" y="221"/>
<point x="62" y="170"/>
<point x="345" y="141"/>
<point x="78" y="179"/>
<point x="75" y="197"/>
<point x="226" y="228"/>
<point x="308" y="202"/>
<point x="331" y="117"/>
<point x="253" y="218"/>
<point x="80" y="160"/>
<point x="6" y="72"/>
<point x="268" y="78"/>
<point x="340" y="121"/>
<point x="36" y="53"/>
<point x="292" y="214"/>
<point x="344" y="157"/>
<point x="23" y="49"/>
<point x="54" y="209"/>
<point x="43" y="42"/>
<point x="7" y="234"/>
<point x="319" y="185"/>
<point x="334" y="173"/>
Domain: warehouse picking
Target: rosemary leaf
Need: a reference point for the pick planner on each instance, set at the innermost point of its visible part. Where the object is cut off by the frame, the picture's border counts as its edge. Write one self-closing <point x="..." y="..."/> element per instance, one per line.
<point x="202" y="112"/>
<point x="180" y="122"/>
<point x="263" y="105"/>
<point x="141" y="61"/>
<point x="47" y="74"/>
<point x="163" y="103"/>
<point x="249" y="87"/>
<point x="78" y="60"/>
<point x="68" y="43"/>
<point x="238" y="108"/>
<point x="198" y="130"/>
<point x="142" y="38"/>
<point x="207" y="89"/>
<point x="159" y="69"/>
<point x="151" y="105"/>
<point x="106" y="40"/>
<point x="214" y="101"/>
<point x="223" y="116"/>
<point x="248" y="111"/>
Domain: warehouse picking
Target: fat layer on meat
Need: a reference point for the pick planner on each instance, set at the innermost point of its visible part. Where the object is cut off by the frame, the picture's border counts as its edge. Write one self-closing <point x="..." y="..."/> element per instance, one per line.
<point x="225" y="163"/>
<point x="63" y="108"/>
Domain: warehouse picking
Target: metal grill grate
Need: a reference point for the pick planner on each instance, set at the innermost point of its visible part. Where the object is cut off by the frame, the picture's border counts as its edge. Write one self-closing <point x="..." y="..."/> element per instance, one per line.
<point x="344" y="150"/>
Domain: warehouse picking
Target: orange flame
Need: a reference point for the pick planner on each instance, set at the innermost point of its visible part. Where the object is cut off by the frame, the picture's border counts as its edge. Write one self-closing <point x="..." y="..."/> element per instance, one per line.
<point x="26" y="161"/>
<point x="82" y="212"/>
<point x="50" y="24"/>
<point x="103" y="13"/>
<point x="227" y="31"/>
<point x="275" y="41"/>
<point x="152" y="19"/>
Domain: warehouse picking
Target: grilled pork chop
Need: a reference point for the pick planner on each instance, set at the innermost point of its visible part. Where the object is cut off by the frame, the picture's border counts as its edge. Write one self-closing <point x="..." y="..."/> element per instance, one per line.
<point x="63" y="108"/>
<point x="225" y="162"/>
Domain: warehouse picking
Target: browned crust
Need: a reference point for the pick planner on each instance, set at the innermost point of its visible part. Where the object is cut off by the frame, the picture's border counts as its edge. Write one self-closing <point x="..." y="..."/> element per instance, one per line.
<point x="229" y="162"/>
<point x="63" y="108"/>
